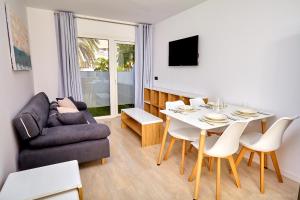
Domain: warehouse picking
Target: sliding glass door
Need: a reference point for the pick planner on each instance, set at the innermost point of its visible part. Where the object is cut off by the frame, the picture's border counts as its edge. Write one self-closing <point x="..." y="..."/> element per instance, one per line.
<point x="107" y="75"/>
<point x="125" y="76"/>
<point x="94" y="70"/>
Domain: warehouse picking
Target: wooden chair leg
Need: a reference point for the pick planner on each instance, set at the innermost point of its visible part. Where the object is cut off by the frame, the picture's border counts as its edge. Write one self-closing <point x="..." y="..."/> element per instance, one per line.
<point x="80" y="193"/>
<point x="193" y="174"/>
<point x="190" y="147"/>
<point x="250" y="159"/>
<point x="182" y="157"/>
<point x="234" y="171"/>
<point x="218" y="181"/>
<point x="169" y="148"/>
<point x="262" y="172"/>
<point x="276" y="166"/>
<point x="240" y="156"/>
<point x="210" y="164"/>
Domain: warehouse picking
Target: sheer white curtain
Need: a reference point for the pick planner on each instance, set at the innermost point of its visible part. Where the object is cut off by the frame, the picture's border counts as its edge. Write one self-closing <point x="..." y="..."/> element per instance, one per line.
<point x="143" y="62"/>
<point x="70" y="83"/>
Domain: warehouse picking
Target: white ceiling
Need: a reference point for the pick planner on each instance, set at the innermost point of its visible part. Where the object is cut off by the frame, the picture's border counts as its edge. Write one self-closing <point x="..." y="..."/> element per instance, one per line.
<point x="138" y="11"/>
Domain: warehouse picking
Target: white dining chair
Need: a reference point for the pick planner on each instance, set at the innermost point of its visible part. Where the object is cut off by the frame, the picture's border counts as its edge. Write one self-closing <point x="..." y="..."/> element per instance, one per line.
<point x="223" y="146"/>
<point x="198" y="101"/>
<point x="180" y="131"/>
<point x="265" y="144"/>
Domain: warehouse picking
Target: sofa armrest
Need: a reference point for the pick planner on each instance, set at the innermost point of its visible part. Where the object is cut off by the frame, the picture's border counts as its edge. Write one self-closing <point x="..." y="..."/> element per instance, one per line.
<point x="80" y="105"/>
<point x="68" y="134"/>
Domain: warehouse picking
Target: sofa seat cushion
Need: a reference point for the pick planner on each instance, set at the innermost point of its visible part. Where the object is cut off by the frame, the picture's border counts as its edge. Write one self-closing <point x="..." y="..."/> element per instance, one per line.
<point x="68" y="134"/>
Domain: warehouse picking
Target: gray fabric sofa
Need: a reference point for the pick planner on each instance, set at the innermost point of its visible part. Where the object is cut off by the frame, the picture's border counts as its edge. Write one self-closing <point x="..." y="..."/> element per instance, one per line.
<point x="42" y="145"/>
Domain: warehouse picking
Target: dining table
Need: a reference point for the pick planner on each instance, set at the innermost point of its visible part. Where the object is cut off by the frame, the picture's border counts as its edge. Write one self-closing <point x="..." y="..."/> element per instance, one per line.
<point x="193" y="118"/>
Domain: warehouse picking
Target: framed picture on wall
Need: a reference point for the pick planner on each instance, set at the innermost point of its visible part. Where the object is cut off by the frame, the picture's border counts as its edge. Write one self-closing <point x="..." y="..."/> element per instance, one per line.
<point x="18" y="40"/>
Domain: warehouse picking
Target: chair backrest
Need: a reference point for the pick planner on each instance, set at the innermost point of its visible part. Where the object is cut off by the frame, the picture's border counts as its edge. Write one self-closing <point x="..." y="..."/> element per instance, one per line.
<point x="197" y="101"/>
<point x="272" y="138"/>
<point x="228" y="142"/>
<point x="173" y="104"/>
<point x="175" y="124"/>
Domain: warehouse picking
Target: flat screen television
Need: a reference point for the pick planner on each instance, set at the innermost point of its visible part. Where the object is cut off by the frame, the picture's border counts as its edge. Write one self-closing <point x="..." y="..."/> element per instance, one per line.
<point x="184" y="52"/>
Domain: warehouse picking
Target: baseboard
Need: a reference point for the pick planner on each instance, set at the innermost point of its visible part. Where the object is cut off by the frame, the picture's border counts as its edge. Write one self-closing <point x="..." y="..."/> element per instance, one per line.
<point x="107" y="117"/>
<point x="287" y="174"/>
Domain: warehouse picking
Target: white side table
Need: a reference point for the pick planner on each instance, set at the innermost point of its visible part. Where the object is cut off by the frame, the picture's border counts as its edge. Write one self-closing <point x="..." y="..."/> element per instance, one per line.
<point x="42" y="182"/>
<point x="68" y="195"/>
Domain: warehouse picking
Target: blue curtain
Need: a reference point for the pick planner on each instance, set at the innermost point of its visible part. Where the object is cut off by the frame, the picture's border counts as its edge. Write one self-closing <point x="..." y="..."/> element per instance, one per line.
<point x="70" y="83"/>
<point x="143" y="62"/>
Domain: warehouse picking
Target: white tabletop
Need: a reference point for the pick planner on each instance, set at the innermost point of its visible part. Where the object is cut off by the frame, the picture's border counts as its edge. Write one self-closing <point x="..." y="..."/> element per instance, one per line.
<point x="142" y="116"/>
<point x="41" y="182"/>
<point x="192" y="118"/>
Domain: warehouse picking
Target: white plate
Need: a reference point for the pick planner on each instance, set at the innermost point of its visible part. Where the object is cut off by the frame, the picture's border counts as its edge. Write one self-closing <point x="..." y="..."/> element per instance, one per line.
<point x="185" y="107"/>
<point x="247" y="110"/>
<point x="215" y="116"/>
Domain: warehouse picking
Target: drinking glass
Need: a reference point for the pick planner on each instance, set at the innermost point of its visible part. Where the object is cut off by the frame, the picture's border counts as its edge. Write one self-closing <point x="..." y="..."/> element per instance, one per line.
<point x="219" y="104"/>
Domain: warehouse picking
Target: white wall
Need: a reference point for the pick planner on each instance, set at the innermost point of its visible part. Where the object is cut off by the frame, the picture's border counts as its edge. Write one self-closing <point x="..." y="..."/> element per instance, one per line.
<point x="249" y="53"/>
<point x="105" y="30"/>
<point x="16" y="89"/>
<point x="44" y="51"/>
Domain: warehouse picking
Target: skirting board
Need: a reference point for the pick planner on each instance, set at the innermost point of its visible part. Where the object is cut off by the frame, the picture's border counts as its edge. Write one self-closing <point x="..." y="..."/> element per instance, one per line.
<point x="292" y="176"/>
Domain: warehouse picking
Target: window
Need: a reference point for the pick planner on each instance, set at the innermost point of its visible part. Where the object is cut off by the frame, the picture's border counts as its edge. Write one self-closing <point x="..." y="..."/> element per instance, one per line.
<point x="107" y="85"/>
<point x="94" y="70"/>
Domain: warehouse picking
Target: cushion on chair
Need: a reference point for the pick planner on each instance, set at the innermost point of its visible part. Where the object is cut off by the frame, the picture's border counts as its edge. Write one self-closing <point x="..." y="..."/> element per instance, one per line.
<point x="68" y="134"/>
<point x="190" y="134"/>
<point x="249" y="139"/>
<point x="209" y="142"/>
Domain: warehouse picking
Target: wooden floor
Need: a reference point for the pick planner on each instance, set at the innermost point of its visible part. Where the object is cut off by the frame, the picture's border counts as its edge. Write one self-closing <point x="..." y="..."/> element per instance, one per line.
<point x="131" y="173"/>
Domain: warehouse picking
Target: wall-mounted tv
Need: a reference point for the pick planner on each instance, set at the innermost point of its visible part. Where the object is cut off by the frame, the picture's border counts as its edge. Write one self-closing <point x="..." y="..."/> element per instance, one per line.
<point x="184" y="52"/>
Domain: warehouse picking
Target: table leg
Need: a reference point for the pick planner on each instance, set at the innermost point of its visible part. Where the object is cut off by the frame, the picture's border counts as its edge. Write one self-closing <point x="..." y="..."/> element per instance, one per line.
<point x="263" y="130"/>
<point x="163" y="143"/>
<point x="200" y="158"/>
<point x="80" y="193"/>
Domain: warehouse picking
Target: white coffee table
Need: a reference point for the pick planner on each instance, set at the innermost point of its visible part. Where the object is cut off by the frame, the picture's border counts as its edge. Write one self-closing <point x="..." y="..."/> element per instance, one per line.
<point x="42" y="182"/>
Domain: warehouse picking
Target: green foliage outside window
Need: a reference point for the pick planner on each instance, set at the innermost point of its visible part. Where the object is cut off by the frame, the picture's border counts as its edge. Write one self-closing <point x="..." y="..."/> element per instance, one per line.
<point x="88" y="48"/>
<point x="125" y="57"/>
<point x="101" y="64"/>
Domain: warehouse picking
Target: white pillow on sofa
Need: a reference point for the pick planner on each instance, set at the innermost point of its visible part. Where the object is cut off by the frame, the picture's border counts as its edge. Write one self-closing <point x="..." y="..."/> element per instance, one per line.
<point x="67" y="110"/>
<point x="66" y="102"/>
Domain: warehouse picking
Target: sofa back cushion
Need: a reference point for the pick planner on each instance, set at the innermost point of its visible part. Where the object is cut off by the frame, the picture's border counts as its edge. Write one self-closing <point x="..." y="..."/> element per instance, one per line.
<point x="33" y="117"/>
